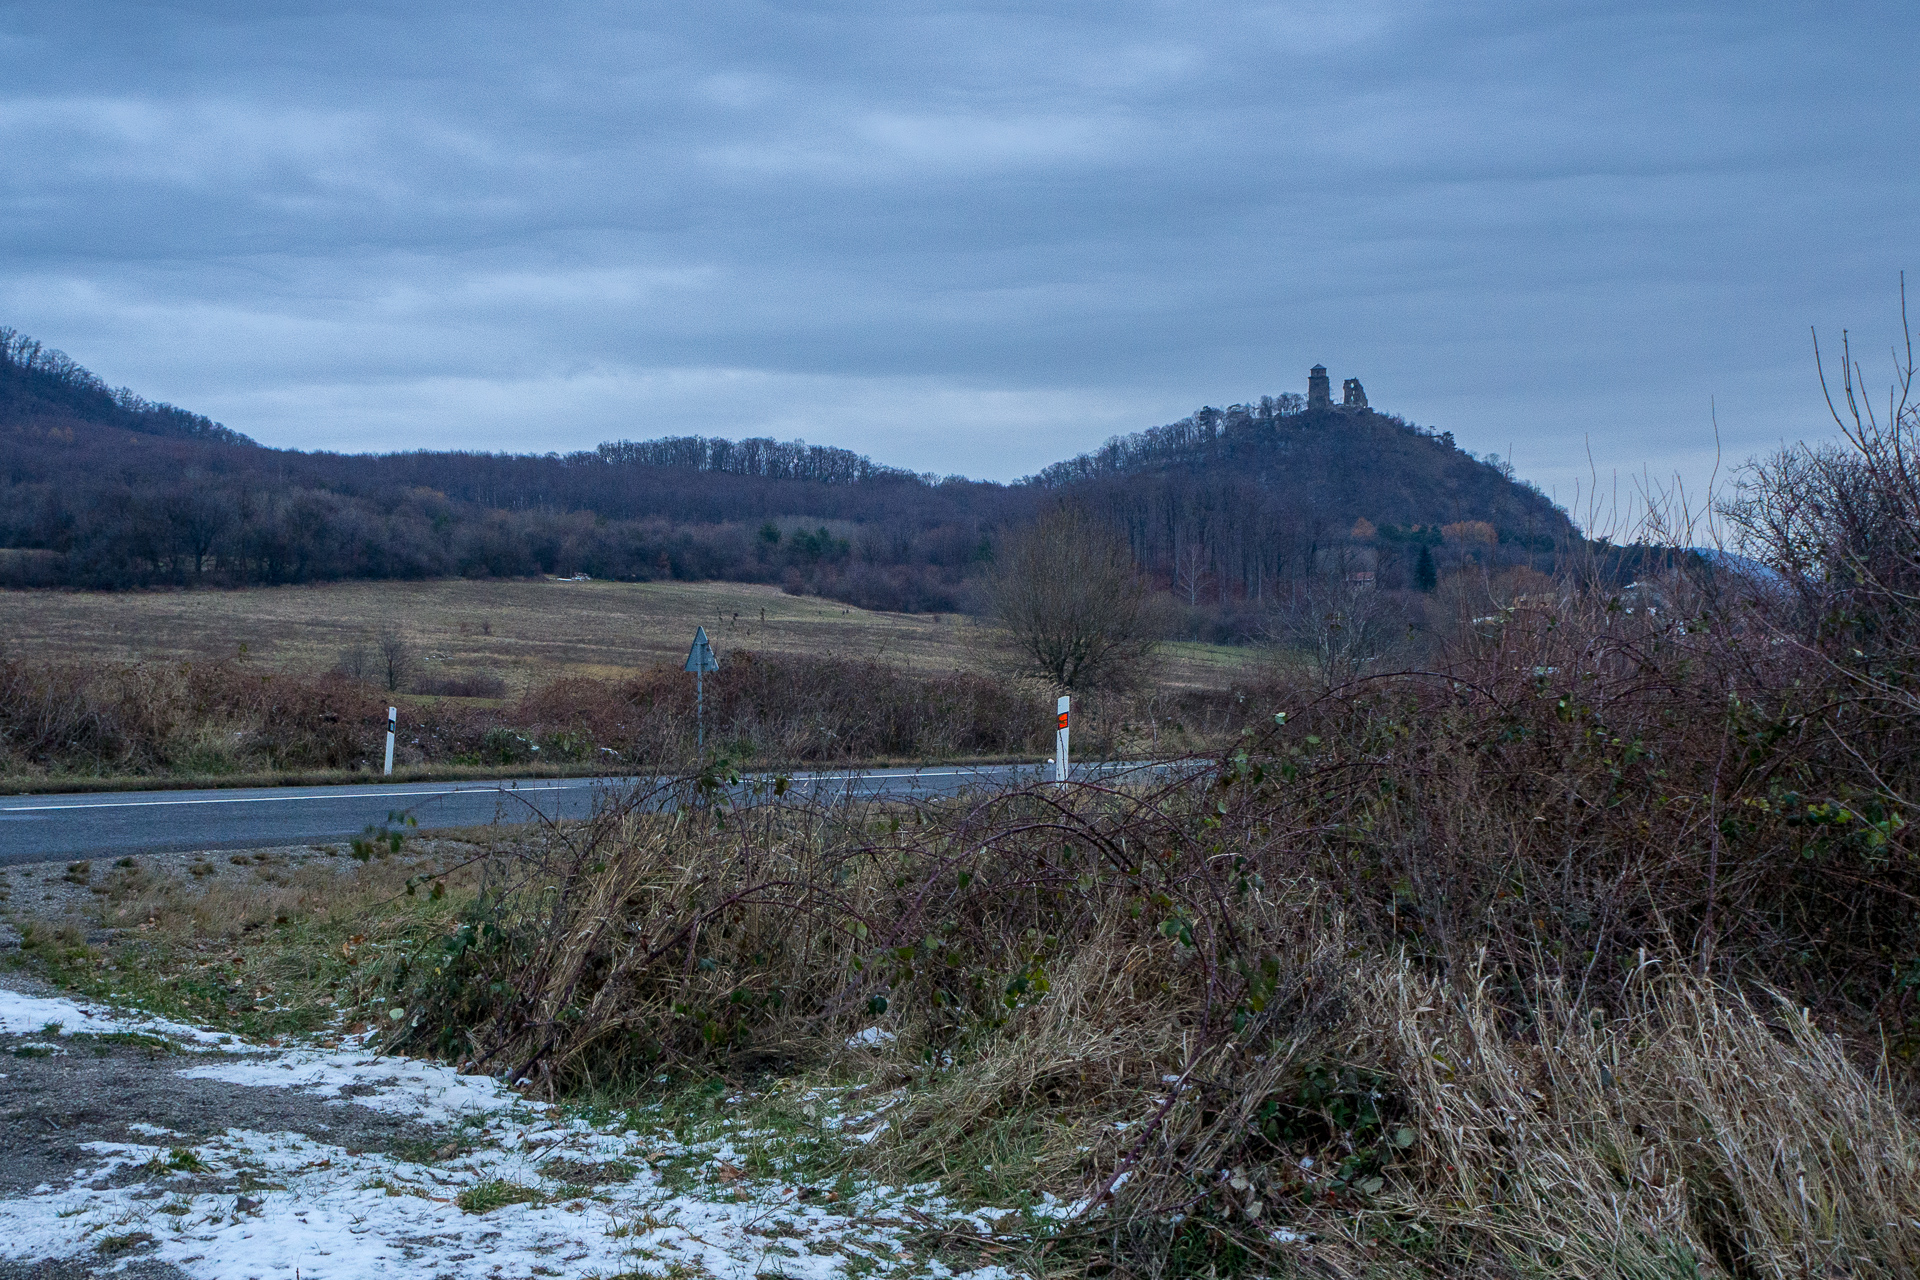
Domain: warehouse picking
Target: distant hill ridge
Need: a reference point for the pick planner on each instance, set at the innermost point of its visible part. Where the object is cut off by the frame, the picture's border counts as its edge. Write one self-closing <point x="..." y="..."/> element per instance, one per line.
<point x="757" y="456"/>
<point x="102" y="488"/>
<point x="40" y="384"/>
<point x="1298" y="457"/>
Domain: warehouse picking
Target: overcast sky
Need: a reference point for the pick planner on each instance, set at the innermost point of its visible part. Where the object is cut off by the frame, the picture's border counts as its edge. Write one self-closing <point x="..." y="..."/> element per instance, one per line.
<point x="962" y="238"/>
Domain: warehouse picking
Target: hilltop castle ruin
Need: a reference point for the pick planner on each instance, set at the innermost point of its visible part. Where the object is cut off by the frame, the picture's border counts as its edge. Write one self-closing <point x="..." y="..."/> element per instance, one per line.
<point x="1353" y="396"/>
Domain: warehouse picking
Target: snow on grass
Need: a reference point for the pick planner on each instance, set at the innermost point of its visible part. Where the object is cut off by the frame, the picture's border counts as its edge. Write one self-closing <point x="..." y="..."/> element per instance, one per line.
<point x="427" y="1091"/>
<point x="514" y="1191"/>
<point x="29" y="1015"/>
<point x="339" y="1216"/>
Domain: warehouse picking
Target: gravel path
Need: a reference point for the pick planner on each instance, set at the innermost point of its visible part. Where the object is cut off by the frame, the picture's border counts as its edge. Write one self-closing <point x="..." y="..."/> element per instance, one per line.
<point x="143" y="1148"/>
<point x="131" y="1146"/>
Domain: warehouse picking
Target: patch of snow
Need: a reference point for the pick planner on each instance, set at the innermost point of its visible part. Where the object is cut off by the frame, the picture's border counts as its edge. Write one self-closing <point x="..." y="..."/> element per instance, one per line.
<point x="332" y="1214"/>
<point x="339" y="1216"/>
<point x="146" y="1130"/>
<point x="429" y="1091"/>
<point x="27" y="1015"/>
<point x="871" y="1038"/>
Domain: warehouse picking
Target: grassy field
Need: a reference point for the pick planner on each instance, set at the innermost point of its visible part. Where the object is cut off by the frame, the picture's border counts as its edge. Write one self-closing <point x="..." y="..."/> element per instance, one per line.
<point x="524" y="631"/>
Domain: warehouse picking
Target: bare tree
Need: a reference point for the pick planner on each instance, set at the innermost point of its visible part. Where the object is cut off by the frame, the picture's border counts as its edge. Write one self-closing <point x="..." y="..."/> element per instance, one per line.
<point x="396" y="660"/>
<point x="1839" y="526"/>
<point x="1190" y="569"/>
<point x="1069" y="597"/>
<point x="1345" y="628"/>
<point x="355" y="661"/>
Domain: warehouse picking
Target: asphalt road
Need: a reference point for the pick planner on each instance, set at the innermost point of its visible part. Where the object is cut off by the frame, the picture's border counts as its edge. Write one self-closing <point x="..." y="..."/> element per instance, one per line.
<point x="54" y="827"/>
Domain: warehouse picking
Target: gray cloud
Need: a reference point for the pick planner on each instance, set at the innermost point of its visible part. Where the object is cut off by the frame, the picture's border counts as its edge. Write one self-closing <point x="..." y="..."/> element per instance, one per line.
<point x="962" y="238"/>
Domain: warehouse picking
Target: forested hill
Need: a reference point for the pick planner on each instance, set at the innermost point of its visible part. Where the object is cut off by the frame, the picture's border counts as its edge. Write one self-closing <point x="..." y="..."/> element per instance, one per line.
<point x="1342" y="464"/>
<point x="104" y="489"/>
<point x="45" y="390"/>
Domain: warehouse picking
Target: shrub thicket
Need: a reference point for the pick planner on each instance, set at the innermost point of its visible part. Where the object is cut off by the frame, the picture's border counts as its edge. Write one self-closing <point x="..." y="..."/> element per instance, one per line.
<point x="1548" y="963"/>
<point x="225" y="717"/>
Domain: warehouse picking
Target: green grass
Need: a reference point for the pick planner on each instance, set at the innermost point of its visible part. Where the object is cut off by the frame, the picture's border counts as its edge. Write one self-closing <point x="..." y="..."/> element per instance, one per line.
<point x="113" y="1246"/>
<point x="103" y="1042"/>
<point x="291" y="978"/>
<point x="185" y="1160"/>
<point x="497" y="1193"/>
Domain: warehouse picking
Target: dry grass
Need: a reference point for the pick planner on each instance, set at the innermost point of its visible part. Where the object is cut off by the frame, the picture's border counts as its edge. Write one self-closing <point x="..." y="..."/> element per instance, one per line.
<point x="526" y="632"/>
<point x="229" y="719"/>
<point x="261" y="942"/>
<point x="1465" y="976"/>
<point x="1202" y="1058"/>
<point x="1687" y="1128"/>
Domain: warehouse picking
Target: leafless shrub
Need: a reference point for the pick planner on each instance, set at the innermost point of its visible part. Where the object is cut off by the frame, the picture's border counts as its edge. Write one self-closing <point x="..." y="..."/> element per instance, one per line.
<point x="356" y="661"/>
<point x="1407" y="934"/>
<point x="473" y="684"/>
<point x="1346" y="629"/>
<point x="154" y="717"/>
<point x="796" y="708"/>
<point x="1838" y="529"/>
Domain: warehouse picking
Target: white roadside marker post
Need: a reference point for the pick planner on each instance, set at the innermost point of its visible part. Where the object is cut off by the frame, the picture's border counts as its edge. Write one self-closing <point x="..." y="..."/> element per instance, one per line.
<point x="393" y="717"/>
<point x="700" y="660"/>
<point x="1060" y="739"/>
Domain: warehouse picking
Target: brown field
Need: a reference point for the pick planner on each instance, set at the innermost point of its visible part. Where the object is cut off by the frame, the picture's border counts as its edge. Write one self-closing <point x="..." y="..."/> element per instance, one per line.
<point x="524" y="631"/>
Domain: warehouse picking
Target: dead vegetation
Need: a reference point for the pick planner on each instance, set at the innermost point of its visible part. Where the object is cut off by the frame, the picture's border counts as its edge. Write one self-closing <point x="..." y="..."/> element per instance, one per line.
<point x="1592" y="950"/>
<point x="501" y="638"/>
<point x="263" y="942"/>
<point x="226" y="720"/>
<point x="1590" y="956"/>
<point x="223" y="718"/>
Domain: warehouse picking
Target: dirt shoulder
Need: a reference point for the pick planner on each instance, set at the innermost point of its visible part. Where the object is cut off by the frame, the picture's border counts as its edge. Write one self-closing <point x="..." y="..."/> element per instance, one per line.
<point x="100" y="899"/>
<point x="60" y="1093"/>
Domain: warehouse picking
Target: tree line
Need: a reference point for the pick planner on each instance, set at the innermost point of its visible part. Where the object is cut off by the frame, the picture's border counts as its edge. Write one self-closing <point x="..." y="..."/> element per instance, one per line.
<point x="1228" y="509"/>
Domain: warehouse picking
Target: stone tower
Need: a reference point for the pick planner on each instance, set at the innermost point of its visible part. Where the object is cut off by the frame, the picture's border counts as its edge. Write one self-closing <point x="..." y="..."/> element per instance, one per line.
<point x="1319" y="389"/>
<point x="1352" y="394"/>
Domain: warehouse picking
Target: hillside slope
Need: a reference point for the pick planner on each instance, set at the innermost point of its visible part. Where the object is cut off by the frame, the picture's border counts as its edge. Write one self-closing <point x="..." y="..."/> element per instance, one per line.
<point x="101" y="488"/>
<point x="1228" y="501"/>
<point x="43" y="390"/>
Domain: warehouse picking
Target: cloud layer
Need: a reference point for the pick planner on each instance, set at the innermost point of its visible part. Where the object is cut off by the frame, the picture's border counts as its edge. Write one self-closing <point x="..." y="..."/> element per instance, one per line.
<point x="961" y="238"/>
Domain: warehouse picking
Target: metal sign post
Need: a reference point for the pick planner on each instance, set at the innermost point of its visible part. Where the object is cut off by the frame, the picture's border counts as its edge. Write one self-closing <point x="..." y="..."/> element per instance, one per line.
<point x="1060" y="738"/>
<point x="700" y="660"/>
<point x="393" y="717"/>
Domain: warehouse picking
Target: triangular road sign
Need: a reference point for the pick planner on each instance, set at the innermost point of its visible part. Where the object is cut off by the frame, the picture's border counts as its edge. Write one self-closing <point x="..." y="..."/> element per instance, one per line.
<point x="700" y="657"/>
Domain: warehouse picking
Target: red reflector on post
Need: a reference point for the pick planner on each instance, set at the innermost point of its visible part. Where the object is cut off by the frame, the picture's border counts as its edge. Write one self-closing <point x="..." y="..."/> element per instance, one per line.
<point x="1063" y="719"/>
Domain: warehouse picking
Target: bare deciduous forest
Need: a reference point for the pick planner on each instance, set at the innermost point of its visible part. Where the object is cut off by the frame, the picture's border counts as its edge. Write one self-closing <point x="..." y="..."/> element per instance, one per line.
<point x="1228" y="511"/>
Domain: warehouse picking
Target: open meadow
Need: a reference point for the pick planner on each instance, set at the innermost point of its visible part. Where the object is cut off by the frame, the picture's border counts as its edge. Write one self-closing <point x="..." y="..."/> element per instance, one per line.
<point x="292" y="683"/>
<point x="524" y="631"/>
